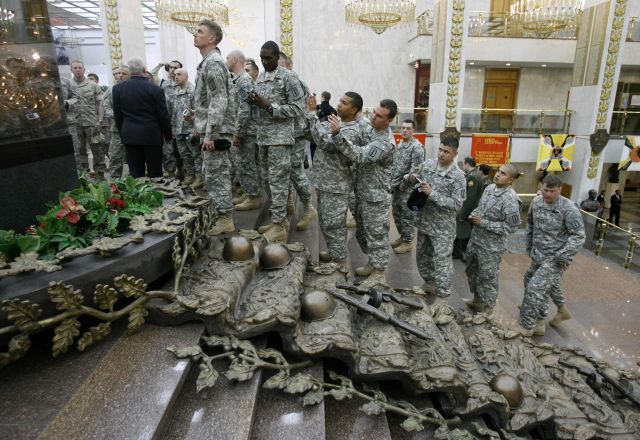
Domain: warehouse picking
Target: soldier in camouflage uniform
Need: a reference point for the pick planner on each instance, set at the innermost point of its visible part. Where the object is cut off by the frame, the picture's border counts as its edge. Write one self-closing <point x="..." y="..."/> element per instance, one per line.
<point x="170" y="87"/>
<point x="280" y="99"/>
<point x="180" y="103"/>
<point x="444" y="184"/>
<point x="214" y="121"/>
<point x="299" y="179"/>
<point x="374" y="161"/>
<point x="84" y="101"/>
<point x="116" y="147"/>
<point x="408" y="156"/>
<point x="332" y="174"/>
<point x="497" y="215"/>
<point x="555" y="233"/>
<point x="244" y="137"/>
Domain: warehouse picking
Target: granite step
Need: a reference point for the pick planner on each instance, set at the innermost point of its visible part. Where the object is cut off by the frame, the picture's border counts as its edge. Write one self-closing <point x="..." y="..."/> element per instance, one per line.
<point x="281" y="416"/>
<point x="224" y="412"/>
<point x="131" y="391"/>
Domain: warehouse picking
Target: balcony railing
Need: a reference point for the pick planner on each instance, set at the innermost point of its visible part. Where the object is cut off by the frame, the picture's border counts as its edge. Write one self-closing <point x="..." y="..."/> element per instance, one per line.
<point x="497" y="24"/>
<point x="418" y="115"/>
<point x="516" y="121"/>
<point x="633" y="33"/>
<point x="624" y="122"/>
<point x="424" y="23"/>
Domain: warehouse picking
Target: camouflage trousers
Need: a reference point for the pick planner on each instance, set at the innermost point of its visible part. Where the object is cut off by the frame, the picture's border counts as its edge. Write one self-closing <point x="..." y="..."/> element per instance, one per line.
<point x="332" y="217"/>
<point x="191" y="156"/>
<point x="168" y="156"/>
<point x="81" y="137"/>
<point x="216" y="180"/>
<point x="541" y="281"/>
<point x="275" y="164"/>
<point x="482" y="271"/>
<point x="403" y="216"/>
<point x="246" y="166"/>
<point x="372" y="231"/>
<point x="298" y="176"/>
<point x="116" y="156"/>
<point x="433" y="258"/>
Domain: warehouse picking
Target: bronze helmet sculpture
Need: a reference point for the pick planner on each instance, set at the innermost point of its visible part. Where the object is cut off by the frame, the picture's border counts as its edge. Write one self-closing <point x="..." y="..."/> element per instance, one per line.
<point x="509" y="387"/>
<point x="275" y="256"/>
<point x="317" y="305"/>
<point x="237" y="248"/>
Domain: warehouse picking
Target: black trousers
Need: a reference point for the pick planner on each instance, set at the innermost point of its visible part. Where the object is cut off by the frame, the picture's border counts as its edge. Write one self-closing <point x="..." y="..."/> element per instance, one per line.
<point x="140" y="157"/>
<point x="614" y="214"/>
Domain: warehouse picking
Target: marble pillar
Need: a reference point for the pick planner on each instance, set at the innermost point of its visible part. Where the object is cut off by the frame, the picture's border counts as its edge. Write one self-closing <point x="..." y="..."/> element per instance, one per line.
<point x="450" y="20"/>
<point x="122" y="30"/>
<point x="595" y="75"/>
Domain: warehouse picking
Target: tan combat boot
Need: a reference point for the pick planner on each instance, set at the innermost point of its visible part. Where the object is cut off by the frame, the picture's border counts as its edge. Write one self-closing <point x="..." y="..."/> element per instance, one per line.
<point x="310" y="213"/>
<point x="562" y="315"/>
<point x="364" y="271"/>
<point x="397" y="242"/>
<point x="239" y="198"/>
<point x="324" y="256"/>
<point x="188" y="180"/>
<point x="291" y="203"/>
<point x="342" y="265"/>
<point x="248" y="204"/>
<point x="198" y="182"/>
<point x="475" y="304"/>
<point x="264" y="228"/>
<point x="527" y="332"/>
<point x="429" y="287"/>
<point x="224" y="225"/>
<point x="404" y="247"/>
<point x="539" y="329"/>
<point x="277" y="233"/>
<point x="376" y="278"/>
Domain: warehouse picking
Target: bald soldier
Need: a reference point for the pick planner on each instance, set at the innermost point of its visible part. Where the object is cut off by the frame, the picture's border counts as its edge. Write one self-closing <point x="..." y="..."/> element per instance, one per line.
<point x="497" y="216"/>
<point x="181" y="101"/>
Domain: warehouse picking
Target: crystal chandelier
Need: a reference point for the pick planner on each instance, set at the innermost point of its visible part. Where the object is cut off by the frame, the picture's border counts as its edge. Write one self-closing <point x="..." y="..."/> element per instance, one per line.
<point x="69" y="39"/>
<point x="380" y="15"/>
<point x="189" y="12"/>
<point x="544" y="17"/>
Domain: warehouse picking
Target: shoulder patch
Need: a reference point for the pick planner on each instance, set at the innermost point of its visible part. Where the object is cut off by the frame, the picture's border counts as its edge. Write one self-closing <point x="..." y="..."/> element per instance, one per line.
<point x="513" y="218"/>
<point x="575" y="224"/>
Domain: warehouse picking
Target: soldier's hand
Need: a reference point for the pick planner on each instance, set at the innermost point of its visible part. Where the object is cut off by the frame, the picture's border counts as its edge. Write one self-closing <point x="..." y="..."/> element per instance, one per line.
<point x="426" y="188"/>
<point x="413" y="178"/>
<point x="208" y="145"/>
<point x="474" y="219"/>
<point x="335" y="124"/>
<point x="311" y="103"/>
<point x="236" y="141"/>
<point x="259" y="100"/>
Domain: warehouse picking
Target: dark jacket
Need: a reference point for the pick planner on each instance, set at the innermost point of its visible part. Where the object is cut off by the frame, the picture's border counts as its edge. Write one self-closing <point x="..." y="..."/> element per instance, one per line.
<point x="615" y="202"/>
<point x="140" y="112"/>
<point x="324" y="110"/>
<point x="474" y="192"/>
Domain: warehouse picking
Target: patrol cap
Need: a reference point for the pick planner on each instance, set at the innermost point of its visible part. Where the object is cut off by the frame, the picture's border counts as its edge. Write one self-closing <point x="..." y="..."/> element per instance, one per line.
<point x="417" y="199"/>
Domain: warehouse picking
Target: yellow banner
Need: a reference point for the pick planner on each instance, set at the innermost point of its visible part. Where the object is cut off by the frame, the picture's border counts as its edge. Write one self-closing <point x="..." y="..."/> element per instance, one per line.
<point x="555" y="152"/>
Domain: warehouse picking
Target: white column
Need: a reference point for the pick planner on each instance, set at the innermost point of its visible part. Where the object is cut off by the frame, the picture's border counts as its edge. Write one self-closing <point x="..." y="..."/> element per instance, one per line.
<point x="122" y="29"/>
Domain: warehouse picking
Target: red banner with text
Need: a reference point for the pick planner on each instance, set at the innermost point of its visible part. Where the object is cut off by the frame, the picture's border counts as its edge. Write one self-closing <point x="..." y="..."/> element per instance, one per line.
<point x="492" y="149"/>
<point x="420" y="137"/>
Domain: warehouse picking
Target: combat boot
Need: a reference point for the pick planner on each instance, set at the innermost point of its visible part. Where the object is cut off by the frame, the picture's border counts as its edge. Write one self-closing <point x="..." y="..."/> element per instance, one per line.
<point x="277" y="233"/>
<point x="188" y="180"/>
<point x="562" y="315"/>
<point x="397" y="242"/>
<point x="527" y="332"/>
<point x="364" y="271"/>
<point x="404" y="247"/>
<point x="539" y="329"/>
<point x="429" y="287"/>
<point x="310" y="213"/>
<point x="264" y="228"/>
<point x="376" y="278"/>
<point x="248" y="204"/>
<point x="224" y="225"/>
<point x="168" y="174"/>
<point x="291" y="203"/>
<point x="342" y="265"/>
<point x="324" y="256"/>
<point x="179" y="173"/>
<point x="197" y="182"/>
<point x="475" y="304"/>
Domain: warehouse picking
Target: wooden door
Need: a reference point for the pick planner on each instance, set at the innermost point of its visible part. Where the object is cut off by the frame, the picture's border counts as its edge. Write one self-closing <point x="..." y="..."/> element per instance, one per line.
<point x="500" y="92"/>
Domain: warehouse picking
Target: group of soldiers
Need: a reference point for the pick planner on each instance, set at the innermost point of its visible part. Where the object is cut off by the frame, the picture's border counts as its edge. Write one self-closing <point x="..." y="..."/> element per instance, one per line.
<point x="234" y="123"/>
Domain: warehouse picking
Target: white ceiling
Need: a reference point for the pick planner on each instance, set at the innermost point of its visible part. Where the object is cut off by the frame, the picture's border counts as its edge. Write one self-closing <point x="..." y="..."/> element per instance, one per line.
<point x="85" y="14"/>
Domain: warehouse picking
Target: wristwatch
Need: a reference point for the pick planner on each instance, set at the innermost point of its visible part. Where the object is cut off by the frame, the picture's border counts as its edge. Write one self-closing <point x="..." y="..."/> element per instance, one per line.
<point x="270" y="109"/>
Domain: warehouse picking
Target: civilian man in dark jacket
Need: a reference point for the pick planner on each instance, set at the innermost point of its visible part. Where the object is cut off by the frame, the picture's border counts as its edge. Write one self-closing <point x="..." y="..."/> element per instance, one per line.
<point x="140" y="113"/>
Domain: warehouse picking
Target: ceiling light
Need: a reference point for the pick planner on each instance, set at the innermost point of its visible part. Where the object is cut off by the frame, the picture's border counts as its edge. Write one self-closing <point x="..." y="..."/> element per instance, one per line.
<point x="507" y="64"/>
<point x="471" y="63"/>
<point x="379" y="14"/>
<point x="544" y="65"/>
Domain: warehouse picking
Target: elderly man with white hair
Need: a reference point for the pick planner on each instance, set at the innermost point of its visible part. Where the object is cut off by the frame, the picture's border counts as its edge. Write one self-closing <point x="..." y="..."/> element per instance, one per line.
<point x="140" y="112"/>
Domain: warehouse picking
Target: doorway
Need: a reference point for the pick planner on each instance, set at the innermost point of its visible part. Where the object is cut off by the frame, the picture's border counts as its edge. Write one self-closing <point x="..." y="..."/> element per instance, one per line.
<point x="500" y="93"/>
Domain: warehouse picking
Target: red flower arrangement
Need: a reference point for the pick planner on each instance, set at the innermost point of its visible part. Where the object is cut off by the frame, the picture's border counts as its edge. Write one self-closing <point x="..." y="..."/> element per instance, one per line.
<point x="71" y="210"/>
<point x="116" y="203"/>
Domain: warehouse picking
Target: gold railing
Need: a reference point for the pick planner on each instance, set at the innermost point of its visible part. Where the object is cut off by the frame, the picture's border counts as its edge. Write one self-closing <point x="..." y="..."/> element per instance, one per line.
<point x="633" y="33"/>
<point x="424" y="23"/>
<point x="418" y="114"/>
<point x="497" y="24"/>
<point x="625" y="122"/>
<point x="516" y="121"/>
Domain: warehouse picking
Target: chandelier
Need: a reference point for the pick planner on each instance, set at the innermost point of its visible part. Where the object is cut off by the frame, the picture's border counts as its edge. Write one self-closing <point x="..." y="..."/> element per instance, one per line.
<point x="544" y="17"/>
<point x="189" y="12"/>
<point x="69" y="39"/>
<point x="379" y="15"/>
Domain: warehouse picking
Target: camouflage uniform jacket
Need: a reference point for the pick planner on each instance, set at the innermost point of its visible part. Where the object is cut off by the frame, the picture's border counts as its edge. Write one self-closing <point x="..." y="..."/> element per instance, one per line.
<point x="246" y="121"/>
<point x="180" y="100"/>
<point x="83" y="100"/>
<point x="300" y="123"/>
<point x="283" y="92"/>
<point x="169" y="86"/>
<point x="499" y="211"/>
<point x="215" y="111"/>
<point x="374" y="160"/>
<point x="331" y="169"/>
<point x="107" y="103"/>
<point x="554" y="231"/>
<point x="408" y="156"/>
<point x="438" y="216"/>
